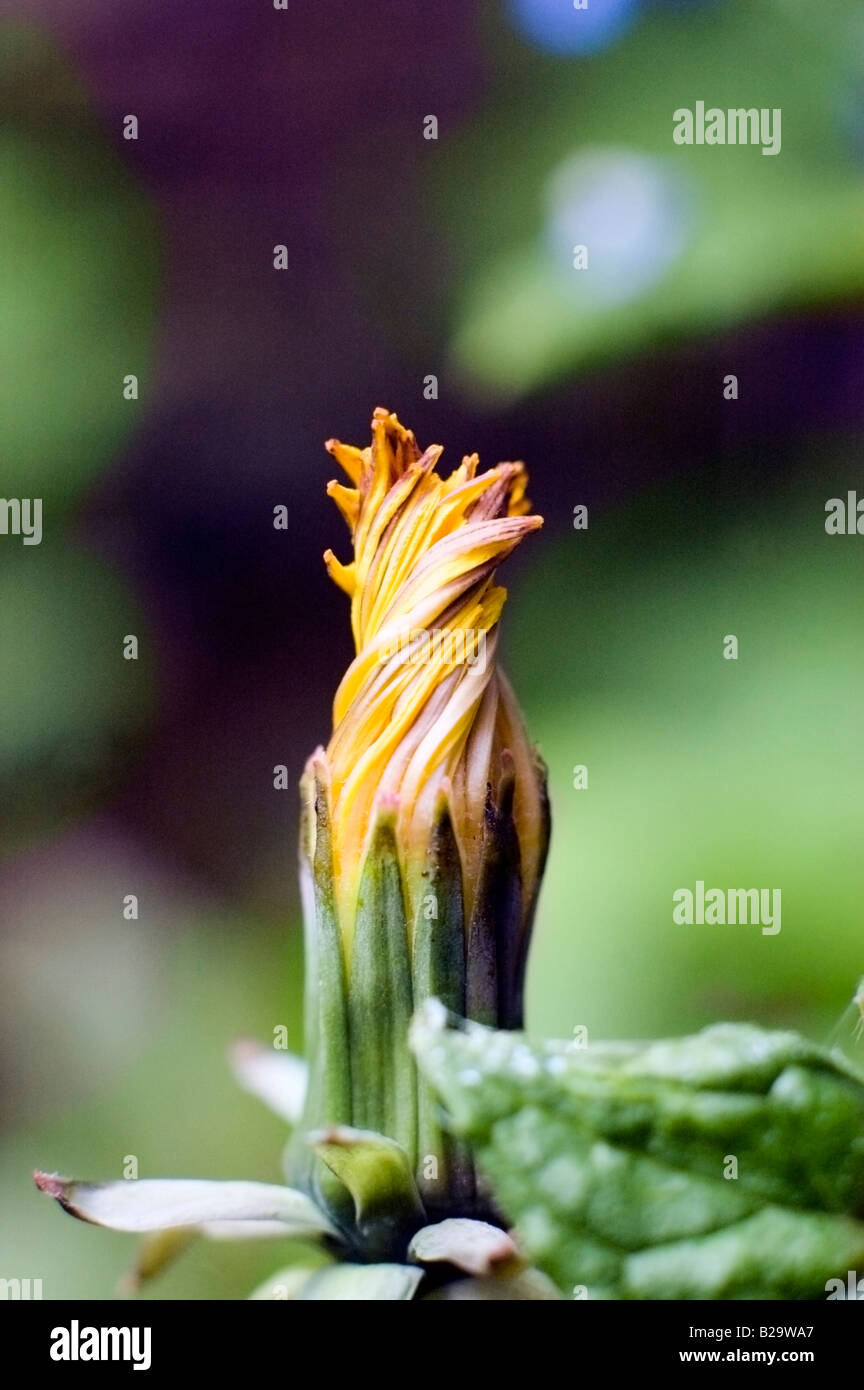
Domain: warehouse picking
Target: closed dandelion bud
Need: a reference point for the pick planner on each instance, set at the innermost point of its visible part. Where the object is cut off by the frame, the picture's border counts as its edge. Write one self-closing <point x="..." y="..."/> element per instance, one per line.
<point x="425" y="820"/>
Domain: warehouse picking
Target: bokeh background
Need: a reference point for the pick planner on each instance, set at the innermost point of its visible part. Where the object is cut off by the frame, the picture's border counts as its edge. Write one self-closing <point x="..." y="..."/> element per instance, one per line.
<point x="406" y="258"/>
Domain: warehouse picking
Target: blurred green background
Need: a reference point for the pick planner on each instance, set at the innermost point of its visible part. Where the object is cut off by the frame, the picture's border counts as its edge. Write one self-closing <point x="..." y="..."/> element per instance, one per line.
<point x="409" y="257"/>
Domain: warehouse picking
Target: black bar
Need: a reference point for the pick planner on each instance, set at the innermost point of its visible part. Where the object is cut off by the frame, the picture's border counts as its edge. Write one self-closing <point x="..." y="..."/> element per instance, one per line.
<point x="254" y="1338"/>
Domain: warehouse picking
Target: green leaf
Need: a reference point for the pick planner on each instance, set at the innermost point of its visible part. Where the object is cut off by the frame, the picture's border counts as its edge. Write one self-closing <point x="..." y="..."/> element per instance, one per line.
<point x="80" y="266"/>
<point x="776" y="1253"/>
<point x="725" y="1165"/>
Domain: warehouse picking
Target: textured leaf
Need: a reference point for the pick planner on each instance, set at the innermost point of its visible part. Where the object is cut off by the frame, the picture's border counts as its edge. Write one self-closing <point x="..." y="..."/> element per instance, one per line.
<point x="616" y="1162"/>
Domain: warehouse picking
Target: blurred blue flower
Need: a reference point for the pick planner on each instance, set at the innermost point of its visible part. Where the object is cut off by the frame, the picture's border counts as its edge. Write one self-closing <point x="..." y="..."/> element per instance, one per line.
<point x="849" y="95"/>
<point x="631" y="211"/>
<point x="850" y="116"/>
<point x="558" y="27"/>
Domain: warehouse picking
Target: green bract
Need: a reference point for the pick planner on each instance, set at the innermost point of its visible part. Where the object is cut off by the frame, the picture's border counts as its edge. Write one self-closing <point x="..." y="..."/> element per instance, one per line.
<point x="725" y="1165"/>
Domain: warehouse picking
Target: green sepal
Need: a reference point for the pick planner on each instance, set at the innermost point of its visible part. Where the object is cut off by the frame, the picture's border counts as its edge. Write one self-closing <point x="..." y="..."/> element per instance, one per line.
<point x="529" y="905"/>
<point x="285" y="1285"/>
<point x="475" y="1247"/>
<point x="445" y="1172"/>
<point x="494" y="949"/>
<point x="328" y="1098"/>
<point x="156" y="1251"/>
<point x="374" y="1283"/>
<point x="439" y="920"/>
<point x="380" y="997"/>
<point x="378" y="1174"/>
